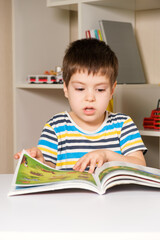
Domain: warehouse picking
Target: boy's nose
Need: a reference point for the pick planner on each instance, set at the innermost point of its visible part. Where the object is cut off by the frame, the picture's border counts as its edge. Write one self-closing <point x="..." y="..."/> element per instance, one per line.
<point x="90" y="96"/>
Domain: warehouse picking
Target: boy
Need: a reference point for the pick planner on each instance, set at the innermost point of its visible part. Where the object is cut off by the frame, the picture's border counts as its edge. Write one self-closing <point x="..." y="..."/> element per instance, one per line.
<point x="88" y="135"/>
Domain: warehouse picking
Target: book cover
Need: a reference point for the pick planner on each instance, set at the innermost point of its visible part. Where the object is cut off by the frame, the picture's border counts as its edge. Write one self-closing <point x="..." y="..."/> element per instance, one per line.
<point x="120" y="37"/>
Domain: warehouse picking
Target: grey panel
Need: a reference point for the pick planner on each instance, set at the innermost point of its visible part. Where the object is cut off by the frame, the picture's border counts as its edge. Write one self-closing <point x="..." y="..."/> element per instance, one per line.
<point x="120" y="37"/>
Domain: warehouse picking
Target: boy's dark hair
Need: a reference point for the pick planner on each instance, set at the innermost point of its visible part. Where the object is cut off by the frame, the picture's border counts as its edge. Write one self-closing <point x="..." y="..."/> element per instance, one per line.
<point x="90" y="55"/>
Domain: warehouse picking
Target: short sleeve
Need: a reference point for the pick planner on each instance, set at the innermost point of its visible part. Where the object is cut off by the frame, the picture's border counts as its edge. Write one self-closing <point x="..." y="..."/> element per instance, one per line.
<point x="130" y="138"/>
<point x="48" y="143"/>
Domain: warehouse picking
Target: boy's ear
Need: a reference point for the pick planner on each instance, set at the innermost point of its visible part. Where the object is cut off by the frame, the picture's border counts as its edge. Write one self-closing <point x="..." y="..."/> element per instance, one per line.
<point x="113" y="89"/>
<point x="65" y="90"/>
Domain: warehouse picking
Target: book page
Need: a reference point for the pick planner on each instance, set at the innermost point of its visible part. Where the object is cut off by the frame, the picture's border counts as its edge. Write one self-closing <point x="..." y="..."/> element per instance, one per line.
<point x="109" y="171"/>
<point x="31" y="172"/>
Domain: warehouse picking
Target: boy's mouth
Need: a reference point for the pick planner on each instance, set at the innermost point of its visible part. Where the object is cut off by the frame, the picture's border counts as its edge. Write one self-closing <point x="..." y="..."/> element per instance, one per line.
<point x="89" y="110"/>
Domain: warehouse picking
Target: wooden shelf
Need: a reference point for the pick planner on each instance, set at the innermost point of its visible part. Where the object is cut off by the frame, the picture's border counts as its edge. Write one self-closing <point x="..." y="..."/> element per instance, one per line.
<point x="68" y="5"/>
<point x="122" y="4"/>
<point x="143" y="86"/>
<point x="60" y="86"/>
<point x="150" y="132"/>
<point x="39" y="86"/>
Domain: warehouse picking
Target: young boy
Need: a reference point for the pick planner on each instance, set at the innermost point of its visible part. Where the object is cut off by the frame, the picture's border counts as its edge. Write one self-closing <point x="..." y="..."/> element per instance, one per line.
<point x="88" y="135"/>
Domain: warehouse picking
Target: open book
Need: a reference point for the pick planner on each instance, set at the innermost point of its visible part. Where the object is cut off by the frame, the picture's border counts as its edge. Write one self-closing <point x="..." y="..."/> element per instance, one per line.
<point x="32" y="176"/>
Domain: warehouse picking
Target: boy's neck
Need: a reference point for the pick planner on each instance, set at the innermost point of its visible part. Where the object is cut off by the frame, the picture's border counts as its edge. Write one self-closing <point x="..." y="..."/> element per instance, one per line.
<point x="87" y="125"/>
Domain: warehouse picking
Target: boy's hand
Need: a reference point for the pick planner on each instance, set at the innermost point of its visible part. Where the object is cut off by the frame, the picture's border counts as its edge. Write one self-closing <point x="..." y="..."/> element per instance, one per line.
<point x="33" y="152"/>
<point x="101" y="156"/>
<point x="97" y="157"/>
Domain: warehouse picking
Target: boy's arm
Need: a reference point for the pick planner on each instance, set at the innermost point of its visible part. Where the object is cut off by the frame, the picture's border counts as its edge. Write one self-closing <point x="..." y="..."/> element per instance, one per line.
<point x="99" y="157"/>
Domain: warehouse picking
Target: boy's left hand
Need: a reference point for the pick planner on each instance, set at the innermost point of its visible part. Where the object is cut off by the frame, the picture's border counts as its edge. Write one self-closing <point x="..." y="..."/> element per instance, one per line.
<point x="92" y="159"/>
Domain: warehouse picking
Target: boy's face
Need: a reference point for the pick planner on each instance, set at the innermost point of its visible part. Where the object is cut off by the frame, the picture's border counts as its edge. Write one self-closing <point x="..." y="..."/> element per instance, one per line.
<point x="88" y="97"/>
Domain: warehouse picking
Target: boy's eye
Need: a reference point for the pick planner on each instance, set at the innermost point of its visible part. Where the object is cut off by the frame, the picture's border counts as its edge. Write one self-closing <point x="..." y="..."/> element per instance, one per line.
<point x="101" y="89"/>
<point x="79" y="89"/>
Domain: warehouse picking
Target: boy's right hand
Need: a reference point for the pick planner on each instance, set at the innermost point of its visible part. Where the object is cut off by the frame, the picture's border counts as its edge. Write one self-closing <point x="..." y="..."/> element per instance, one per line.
<point x="33" y="152"/>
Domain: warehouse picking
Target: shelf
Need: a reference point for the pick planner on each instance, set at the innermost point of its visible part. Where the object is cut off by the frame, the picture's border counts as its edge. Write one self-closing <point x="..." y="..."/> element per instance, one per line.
<point x="143" y="86"/>
<point x="68" y="5"/>
<point x="39" y="86"/>
<point x="149" y="132"/>
<point x="60" y="86"/>
<point x="73" y="5"/>
<point x="122" y="4"/>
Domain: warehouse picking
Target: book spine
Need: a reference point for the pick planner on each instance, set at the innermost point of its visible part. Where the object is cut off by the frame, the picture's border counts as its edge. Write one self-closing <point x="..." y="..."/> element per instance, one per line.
<point x="88" y="34"/>
<point x="92" y="33"/>
<point x="96" y="34"/>
<point x="102" y="31"/>
<point x="100" y="35"/>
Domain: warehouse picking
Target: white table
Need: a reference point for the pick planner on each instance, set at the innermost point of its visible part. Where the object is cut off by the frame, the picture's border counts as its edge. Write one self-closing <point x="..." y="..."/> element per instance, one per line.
<point x="76" y="214"/>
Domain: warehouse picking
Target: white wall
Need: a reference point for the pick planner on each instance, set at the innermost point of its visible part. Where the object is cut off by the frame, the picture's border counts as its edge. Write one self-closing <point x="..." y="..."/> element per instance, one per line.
<point x="6" y="118"/>
<point x="148" y="36"/>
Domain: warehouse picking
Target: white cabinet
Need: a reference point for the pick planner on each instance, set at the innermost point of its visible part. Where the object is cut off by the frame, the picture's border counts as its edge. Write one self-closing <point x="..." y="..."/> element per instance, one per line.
<point x="152" y="140"/>
<point x="41" y="32"/>
<point x="40" y="35"/>
<point x="135" y="100"/>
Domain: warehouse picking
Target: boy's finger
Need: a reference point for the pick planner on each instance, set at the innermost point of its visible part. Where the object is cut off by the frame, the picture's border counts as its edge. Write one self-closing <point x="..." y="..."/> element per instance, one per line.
<point x="83" y="167"/>
<point x="33" y="153"/>
<point x="92" y="167"/>
<point x="100" y="163"/>
<point x="17" y="155"/>
<point x="84" y="164"/>
<point x="78" y="164"/>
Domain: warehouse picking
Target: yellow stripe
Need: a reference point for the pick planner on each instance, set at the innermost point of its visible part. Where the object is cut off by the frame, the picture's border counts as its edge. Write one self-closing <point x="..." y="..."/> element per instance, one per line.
<point x="88" y="137"/>
<point x="48" y="150"/>
<point x="127" y="121"/>
<point x="131" y="143"/>
<point x="48" y="125"/>
<point x="59" y="164"/>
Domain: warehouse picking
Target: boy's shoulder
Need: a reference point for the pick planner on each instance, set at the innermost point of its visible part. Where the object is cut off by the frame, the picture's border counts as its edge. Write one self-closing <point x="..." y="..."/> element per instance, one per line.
<point x="116" y="117"/>
<point x="59" y="118"/>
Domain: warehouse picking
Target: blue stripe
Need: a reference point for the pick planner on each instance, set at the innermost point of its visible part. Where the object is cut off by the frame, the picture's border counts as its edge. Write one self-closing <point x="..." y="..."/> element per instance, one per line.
<point x="114" y="126"/>
<point x="71" y="128"/>
<point x="129" y="138"/>
<point x="61" y="129"/>
<point x="74" y="155"/>
<point x="48" y="144"/>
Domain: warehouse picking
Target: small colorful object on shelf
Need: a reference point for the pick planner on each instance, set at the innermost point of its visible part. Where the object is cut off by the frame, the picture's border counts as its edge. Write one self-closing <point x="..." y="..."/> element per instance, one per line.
<point x="48" y="77"/>
<point x="153" y="122"/>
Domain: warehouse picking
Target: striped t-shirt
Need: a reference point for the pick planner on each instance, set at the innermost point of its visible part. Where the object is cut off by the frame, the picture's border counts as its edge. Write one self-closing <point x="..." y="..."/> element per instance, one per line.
<point x="63" y="142"/>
